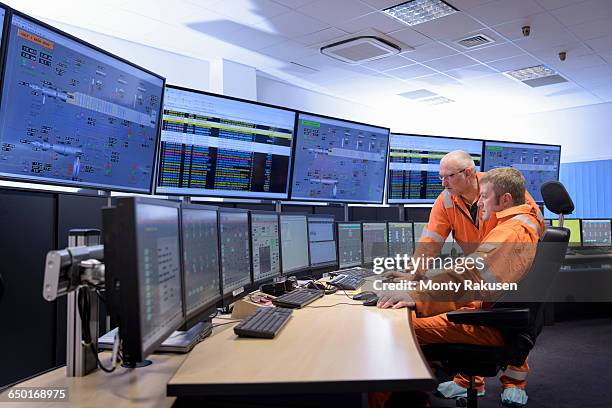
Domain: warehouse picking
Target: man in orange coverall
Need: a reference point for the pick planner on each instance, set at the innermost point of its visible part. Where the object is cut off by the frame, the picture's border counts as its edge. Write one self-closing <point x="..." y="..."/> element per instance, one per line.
<point x="505" y="204"/>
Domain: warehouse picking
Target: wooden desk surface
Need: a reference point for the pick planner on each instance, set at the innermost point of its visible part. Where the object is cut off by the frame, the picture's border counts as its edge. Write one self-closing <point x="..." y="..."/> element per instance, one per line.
<point x="345" y="348"/>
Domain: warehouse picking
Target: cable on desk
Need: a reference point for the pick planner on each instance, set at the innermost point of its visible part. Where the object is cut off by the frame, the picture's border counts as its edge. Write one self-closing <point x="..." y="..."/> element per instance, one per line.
<point x="221" y="324"/>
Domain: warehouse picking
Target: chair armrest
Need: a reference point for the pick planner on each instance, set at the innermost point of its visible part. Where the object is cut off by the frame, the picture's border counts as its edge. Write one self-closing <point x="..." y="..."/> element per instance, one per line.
<point x="502" y="318"/>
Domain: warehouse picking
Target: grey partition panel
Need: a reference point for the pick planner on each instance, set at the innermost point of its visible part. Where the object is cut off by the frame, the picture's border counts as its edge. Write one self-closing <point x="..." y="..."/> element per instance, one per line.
<point x="387" y="214"/>
<point x="257" y="207"/>
<point x="417" y="214"/>
<point x="363" y="214"/>
<point x="304" y="209"/>
<point x="74" y="211"/>
<point x="337" y="212"/>
<point x="27" y="342"/>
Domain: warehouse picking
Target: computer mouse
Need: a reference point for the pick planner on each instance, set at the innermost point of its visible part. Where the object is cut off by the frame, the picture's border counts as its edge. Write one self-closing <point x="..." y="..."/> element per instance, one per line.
<point x="364" y="295"/>
<point x="372" y="301"/>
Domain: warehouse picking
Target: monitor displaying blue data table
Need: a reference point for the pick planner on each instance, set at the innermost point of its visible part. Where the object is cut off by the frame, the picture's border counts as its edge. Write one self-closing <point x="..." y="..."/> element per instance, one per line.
<point x="573" y="225"/>
<point x="538" y="163"/>
<point x="294" y="243"/>
<point x="596" y="232"/>
<point x="338" y="160"/>
<point x="401" y="240"/>
<point x="74" y="115"/>
<point x="349" y="244"/>
<point x="200" y="242"/>
<point x="212" y="145"/>
<point x="414" y="165"/>
<point x="235" y="251"/>
<point x="142" y="255"/>
<point x="265" y="245"/>
<point x="322" y="241"/>
<point x="374" y="241"/>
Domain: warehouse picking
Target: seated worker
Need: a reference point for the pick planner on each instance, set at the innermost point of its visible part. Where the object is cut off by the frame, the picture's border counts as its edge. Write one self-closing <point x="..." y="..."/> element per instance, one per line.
<point x="456" y="210"/>
<point x="506" y="253"/>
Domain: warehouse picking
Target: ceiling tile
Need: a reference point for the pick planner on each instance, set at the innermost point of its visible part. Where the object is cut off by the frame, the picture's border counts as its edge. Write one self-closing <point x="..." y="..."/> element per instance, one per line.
<point x="385" y="64"/>
<point x="471" y="72"/>
<point x="252" y="38"/>
<point x="579" y="13"/>
<point x="465" y="5"/>
<point x="539" y="23"/>
<point x="547" y="40"/>
<point x="248" y="11"/>
<point x="410" y="37"/>
<point x="601" y="44"/>
<point x="375" y="20"/>
<point x="411" y="71"/>
<point x="501" y="11"/>
<point x="593" y="75"/>
<point x="449" y="27"/>
<point x="509" y="64"/>
<point x="288" y="51"/>
<point x="495" y="52"/>
<point x="337" y="11"/>
<point x="592" y="29"/>
<point x="437" y="80"/>
<point x="603" y="92"/>
<point x="321" y="36"/>
<point x="451" y="62"/>
<point x="572" y="61"/>
<point x="293" y="3"/>
<point x="555" y="4"/>
<point x="292" y="24"/>
<point x="430" y="51"/>
<point x="607" y="56"/>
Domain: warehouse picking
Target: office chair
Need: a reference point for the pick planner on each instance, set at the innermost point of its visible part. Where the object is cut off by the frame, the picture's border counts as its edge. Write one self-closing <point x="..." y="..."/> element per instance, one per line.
<point x="519" y="321"/>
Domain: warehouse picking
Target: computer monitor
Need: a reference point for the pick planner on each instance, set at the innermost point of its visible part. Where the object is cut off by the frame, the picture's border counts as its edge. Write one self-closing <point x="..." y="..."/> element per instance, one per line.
<point x="200" y="242"/>
<point x="596" y="232"/>
<point x="142" y="256"/>
<point x="418" y="231"/>
<point x="374" y="241"/>
<point x="400" y="239"/>
<point x="414" y="165"/>
<point x="294" y="243"/>
<point x="572" y="224"/>
<point x="265" y="245"/>
<point x="339" y="160"/>
<point x="74" y="115"/>
<point x="349" y="244"/>
<point x="322" y="241"/>
<point x="235" y="252"/>
<point x="213" y="145"/>
<point x="537" y="162"/>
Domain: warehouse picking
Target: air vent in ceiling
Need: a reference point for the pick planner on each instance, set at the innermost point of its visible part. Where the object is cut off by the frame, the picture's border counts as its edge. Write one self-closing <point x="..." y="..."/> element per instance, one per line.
<point x="474" y="41"/>
<point x="360" y="49"/>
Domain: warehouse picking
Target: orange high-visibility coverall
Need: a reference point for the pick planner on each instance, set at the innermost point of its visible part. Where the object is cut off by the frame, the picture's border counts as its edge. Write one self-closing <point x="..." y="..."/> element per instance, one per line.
<point x="508" y="251"/>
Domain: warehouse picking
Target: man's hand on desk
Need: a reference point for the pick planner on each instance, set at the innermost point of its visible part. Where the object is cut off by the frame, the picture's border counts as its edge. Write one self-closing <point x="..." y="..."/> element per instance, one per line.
<point x="396" y="300"/>
<point x="398" y="276"/>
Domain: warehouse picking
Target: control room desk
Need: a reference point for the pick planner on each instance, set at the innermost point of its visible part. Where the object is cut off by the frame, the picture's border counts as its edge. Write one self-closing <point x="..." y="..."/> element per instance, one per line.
<point x="349" y="349"/>
<point x="346" y="348"/>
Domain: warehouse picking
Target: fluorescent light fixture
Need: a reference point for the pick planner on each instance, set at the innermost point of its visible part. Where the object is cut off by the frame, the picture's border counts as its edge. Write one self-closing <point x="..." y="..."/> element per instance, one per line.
<point x="525" y="74"/>
<point x="415" y="12"/>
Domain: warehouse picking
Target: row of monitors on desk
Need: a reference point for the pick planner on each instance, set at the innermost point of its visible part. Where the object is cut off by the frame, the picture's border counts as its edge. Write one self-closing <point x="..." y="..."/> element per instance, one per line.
<point x="587" y="232"/>
<point x="75" y="115"/>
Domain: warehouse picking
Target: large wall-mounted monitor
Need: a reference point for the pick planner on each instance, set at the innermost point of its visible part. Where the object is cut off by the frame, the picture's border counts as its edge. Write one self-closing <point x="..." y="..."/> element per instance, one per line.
<point x="414" y="164"/>
<point x="338" y="160"/>
<point x="349" y="244"/>
<point x="75" y="115"/>
<point x="235" y="251"/>
<point x="537" y="162"/>
<point x="200" y="242"/>
<point x="322" y="241"/>
<point x="265" y="244"/>
<point x="212" y="145"/>
<point x="294" y="243"/>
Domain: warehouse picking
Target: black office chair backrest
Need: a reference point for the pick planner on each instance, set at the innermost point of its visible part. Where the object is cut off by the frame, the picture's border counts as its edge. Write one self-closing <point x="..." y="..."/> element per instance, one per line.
<point x="556" y="198"/>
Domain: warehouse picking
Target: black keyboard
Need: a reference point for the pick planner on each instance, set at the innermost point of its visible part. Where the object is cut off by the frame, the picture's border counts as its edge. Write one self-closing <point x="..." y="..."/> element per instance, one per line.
<point x="347" y="282"/>
<point x="591" y="251"/>
<point x="264" y="322"/>
<point x="298" y="298"/>
<point x="357" y="271"/>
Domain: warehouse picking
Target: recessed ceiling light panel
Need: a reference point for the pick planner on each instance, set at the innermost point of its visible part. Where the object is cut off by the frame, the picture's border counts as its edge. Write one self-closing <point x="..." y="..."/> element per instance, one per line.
<point x="525" y="74"/>
<point x="415" y="12"/>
